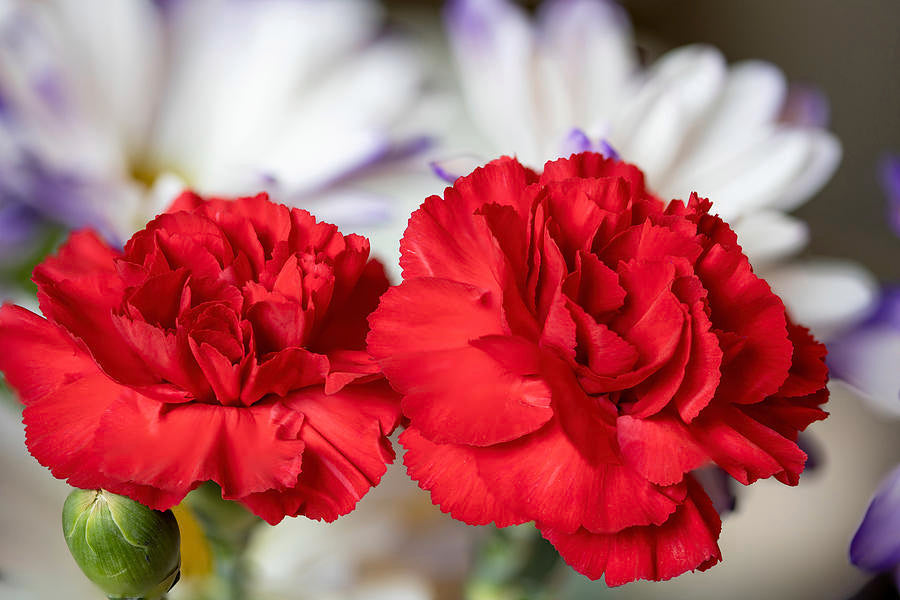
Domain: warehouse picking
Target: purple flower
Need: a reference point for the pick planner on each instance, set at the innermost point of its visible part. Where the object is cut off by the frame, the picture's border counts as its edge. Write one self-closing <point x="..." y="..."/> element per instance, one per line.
<point x="890" y="181"/>
<point x="876" y="544"/>
<point x="867" y="357"/>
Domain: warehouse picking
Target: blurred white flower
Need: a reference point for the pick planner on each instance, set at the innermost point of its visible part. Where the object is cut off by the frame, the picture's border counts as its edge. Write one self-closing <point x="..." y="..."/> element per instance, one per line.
<point x="108" y="109"/>
<point x="571" y="80"/>
<point x="395" y="545"/>
<point x="34" y="561"/>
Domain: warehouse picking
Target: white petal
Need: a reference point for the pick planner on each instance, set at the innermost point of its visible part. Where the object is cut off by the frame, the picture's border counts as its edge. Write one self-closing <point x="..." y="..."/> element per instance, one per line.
<point x="823" y="159"/>
<point x="120" y="45"/>
<point x="240" y="64"/>
<point x="749" y="103"/>
<point x="825" y="295"/>
<point x="34" y="547"/>
<point x="652" y="127"/>
<point x="49" y="111"/>
<point x="757" y="177"/>
<point x="493" y="44"/>
<point x="590" y="44"/>
<point x="343" y="123"/>
<point x="767" y="236"/>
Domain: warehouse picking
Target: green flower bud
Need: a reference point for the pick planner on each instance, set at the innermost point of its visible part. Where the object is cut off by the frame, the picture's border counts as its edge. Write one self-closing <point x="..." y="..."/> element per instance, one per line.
<point x="127" y="549"/>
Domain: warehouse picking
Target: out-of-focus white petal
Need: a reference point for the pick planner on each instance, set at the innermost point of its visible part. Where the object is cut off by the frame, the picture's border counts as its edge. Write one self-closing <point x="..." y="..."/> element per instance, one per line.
<point x="343" y="123"/>
<point x="750" y="100"/>
<point x="587" y="38"/>
<point x="493" y="46"/>
<point x="752" y="180"/>
<point x="47" y="115"/>
<point x="822" y="160"/>
<point x="652" y="127"/>
<point x="825" y="295"/>
<point x="120" y="47"/>
<point x="767" y="236"/>
<point x="34" y="559"/>
<point x="238" y="65"/>
<point x="393" y="542"/>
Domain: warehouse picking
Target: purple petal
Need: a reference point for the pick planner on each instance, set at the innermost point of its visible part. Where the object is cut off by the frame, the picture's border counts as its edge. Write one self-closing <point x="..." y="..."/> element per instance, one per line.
<point x="606" y="150"/>
<point x="473" y="20"/>
<point x="806" y="106"/>
<point x="876" y="544"/>
<point x="578" y="141"/>
<point x="867" y="356"/>
<point x="890" y="182"/>
<point x="20" y="228"/>
<point x="451" y="169"/>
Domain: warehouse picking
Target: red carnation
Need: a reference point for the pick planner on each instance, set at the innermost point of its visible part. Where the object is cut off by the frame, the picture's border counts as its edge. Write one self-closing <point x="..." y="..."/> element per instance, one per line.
<point x="570" y="348"/>
<point x="226" y="343"/>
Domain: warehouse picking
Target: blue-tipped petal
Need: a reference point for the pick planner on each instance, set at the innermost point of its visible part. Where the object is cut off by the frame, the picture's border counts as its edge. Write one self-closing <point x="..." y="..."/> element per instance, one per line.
<point x="451" y="169"/>
<point x="866" y="357"/>
<point x="876" y="544"/>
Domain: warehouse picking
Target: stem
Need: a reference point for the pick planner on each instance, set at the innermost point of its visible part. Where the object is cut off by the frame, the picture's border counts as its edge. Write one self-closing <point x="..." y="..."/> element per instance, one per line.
<point x="228" y="527"/>
<point x="515" y="563"/>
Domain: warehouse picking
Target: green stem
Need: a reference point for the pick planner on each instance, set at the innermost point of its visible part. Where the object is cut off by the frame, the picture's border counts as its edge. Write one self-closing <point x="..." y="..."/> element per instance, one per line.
<point x="228" y="527"/>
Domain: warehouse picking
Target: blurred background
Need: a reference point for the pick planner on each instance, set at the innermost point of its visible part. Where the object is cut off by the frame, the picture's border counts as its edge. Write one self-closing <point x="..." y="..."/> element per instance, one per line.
<point x="780" y="542"/>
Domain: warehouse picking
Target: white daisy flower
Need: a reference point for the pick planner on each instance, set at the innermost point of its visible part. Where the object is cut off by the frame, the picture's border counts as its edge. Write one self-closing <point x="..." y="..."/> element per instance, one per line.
<point x="108" y="109"/>
<point x="570" y="80"/>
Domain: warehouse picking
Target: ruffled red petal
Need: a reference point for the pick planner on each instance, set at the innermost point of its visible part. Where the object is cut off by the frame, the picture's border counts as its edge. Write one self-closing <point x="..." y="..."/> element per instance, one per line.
<point x="450" y="473"/>
<point x="684" y="542"/>
<point x="346" y="453"/>
<point x="176" y="447"/>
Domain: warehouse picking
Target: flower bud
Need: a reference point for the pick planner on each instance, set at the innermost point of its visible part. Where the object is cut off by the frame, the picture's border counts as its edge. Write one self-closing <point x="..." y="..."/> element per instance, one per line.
<point x="127" y="549"/>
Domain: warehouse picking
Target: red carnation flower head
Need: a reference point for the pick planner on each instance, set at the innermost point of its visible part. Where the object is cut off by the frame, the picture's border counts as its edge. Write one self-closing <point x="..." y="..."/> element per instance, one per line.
<point x="226" y="343"/>
<point x="569" y="348"/>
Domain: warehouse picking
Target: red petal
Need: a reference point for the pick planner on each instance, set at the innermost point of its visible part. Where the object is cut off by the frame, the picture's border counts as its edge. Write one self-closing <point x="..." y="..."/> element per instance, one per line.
<point x="808" y="372"/>
<point x="444" y="239"/>
<point x="742" y="303"/>
<point x="598" y="287"/>
<point x="346" y="453"/>
<point x="174" y="447"/>
<point x="649" y="242"/>
<point x="64" y="390"/>
<point x="607" y="354"/>
<point x="660" y="448"/>
<point x="78" y="289"/>
<point x="655" y="392"/>
<point x="347" y="366"/>
<point x="652" y="317"/>
<point x="283" y="372"/>
<point x="450" y="473"/>
<point x="422" y="315"/>
<point x="590" y="165"/>
<point x="278" y="324"/>
<point x="744" y="447"/>
<point x="223" y="376"/>
<point x="686" y="541"/>
<point x="703" y="372"/>
<point x="164" y="355"/>
<point x="465" y="396"/>
<point x="574" y="207"/>
<point x="789" y="416"/>
<point x="545" y="477"/>
<point x="346" y="324"/>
